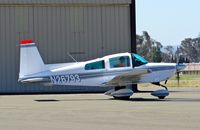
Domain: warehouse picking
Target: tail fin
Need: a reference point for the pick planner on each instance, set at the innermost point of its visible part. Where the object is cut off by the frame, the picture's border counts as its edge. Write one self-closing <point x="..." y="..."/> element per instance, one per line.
<point x="30" y="59"/>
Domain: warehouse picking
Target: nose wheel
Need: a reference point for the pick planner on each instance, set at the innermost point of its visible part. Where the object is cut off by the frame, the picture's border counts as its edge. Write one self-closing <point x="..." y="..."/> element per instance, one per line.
<point x="162" y="93"/>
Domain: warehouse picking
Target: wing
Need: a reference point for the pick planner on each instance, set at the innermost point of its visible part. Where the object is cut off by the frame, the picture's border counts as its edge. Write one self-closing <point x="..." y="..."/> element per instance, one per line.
<point x="131" y="77"/>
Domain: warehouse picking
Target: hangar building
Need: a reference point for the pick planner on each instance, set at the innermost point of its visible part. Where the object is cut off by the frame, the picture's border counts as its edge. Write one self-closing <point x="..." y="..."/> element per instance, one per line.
<point x="85" y="28"/>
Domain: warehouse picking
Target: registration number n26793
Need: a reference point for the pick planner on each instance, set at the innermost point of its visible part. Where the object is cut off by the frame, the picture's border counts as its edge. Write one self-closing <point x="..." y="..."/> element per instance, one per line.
<point x="65" y="79"/>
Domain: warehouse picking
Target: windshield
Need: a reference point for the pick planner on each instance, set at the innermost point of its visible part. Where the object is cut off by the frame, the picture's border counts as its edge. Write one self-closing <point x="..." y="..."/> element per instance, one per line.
<point x="138" y="60"/>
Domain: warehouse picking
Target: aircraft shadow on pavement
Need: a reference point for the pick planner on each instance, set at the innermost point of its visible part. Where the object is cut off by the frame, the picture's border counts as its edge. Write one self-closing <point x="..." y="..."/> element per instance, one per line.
<point x="129" y="100"/>
<point x="64" y="100"/>
<point x="161" y="100"/>
<point x="47" y="100"/>
<point x="140" y="100"/>
<point x="190" y="100"/>
<point x="145" y="100"/>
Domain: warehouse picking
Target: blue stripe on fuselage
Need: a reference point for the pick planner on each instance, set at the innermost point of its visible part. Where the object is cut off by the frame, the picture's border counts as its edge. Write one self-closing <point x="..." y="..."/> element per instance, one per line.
<point x="162" y="68"/>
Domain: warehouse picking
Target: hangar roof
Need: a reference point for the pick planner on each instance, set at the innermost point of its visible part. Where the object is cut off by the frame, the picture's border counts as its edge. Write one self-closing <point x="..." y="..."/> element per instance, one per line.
<point x="65" y="1"/>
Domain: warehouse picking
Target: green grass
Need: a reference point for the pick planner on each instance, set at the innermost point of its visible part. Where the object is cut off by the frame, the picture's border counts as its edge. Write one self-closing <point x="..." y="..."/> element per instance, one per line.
<point x="186" y="80"/>
<point x="187" y="77"/>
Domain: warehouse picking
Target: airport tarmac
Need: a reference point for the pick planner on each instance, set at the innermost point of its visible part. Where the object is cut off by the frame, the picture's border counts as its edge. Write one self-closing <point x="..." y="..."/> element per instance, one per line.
<point x="179" y="111"/>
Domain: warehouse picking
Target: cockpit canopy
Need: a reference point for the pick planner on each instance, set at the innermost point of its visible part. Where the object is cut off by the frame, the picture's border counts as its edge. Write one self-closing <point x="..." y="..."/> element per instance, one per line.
<point x="119" y="61"/>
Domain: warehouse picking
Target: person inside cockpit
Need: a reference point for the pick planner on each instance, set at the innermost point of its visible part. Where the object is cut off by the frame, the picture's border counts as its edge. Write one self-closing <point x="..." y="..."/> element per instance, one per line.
<point x="121" y="62"/>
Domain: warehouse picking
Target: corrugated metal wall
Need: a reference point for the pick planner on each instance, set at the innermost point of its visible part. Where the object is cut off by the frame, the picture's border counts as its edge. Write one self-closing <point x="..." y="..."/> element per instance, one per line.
<point x="93" y="30"/>
<point x="65" y="2"/>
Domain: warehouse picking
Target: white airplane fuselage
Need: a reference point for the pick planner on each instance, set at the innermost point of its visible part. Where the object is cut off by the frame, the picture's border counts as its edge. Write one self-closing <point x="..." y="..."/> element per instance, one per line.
<point x="75" y="74"/>
<point x="100" y="77"/>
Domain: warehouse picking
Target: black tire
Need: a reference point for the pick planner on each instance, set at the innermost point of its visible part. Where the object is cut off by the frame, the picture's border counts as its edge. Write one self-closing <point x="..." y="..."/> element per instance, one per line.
<point x="122" y="98"/>
<point x="161" y="97"/>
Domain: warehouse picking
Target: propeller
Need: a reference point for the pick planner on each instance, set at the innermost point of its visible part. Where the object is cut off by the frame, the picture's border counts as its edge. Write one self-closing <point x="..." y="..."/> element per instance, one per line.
<point x="178" y="77"/>
<point x="180" y="60"/>
<point x="179" y="68"/>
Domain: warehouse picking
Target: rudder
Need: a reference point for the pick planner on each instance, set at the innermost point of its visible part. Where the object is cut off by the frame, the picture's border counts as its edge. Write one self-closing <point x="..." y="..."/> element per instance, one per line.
<point x="30" y="60"/>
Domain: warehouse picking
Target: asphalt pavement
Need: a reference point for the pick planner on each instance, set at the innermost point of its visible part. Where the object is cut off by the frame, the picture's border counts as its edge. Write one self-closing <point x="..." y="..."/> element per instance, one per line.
<point x="179" y="111"/>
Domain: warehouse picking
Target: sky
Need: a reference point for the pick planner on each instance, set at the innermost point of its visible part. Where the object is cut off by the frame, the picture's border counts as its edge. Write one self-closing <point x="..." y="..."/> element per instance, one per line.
<point x="168" y="21"/>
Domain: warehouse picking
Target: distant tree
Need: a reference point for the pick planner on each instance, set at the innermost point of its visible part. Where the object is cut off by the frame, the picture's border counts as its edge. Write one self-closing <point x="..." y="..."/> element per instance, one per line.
<point x="149" y="48"/>
<point x="181" y="59"/>
<point x="190" y="48"/>
<point x="168" y="54"/>
<point x="156" y="55"/>
<point x="147" y="39"/>
<point x="187" y="61"/>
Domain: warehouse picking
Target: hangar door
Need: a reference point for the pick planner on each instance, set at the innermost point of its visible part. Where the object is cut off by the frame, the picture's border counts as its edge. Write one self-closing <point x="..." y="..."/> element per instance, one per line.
<point x="84" y="31"/>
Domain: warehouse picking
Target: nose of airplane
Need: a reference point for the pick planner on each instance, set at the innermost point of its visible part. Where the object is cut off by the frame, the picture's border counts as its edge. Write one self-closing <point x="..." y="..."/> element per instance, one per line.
<point x="180" y="67"/>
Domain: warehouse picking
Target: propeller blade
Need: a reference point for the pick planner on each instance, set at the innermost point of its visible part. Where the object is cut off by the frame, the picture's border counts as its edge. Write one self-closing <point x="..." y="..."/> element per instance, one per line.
<point x="179" y="67"/>
<point x="178" y="77"/>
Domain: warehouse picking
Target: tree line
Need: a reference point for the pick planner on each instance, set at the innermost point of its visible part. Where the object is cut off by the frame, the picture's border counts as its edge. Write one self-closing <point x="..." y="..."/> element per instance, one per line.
<point x="153" y="51"/>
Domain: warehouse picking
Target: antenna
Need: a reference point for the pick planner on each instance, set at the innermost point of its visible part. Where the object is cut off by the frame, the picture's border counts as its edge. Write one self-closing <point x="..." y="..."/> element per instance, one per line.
<point x="71" y="57"/>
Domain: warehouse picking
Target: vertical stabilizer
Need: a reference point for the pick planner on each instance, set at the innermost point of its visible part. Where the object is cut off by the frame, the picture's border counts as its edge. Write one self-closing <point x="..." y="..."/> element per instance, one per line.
<point x="30" y="59"/>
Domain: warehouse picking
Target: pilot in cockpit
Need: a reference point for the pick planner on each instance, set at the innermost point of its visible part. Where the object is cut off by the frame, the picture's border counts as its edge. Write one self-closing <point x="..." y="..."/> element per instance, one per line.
<point x="121" y="62"/>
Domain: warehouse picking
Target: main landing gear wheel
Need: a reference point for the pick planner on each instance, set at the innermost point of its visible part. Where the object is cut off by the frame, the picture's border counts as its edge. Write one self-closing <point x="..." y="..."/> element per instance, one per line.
<point x="161" y="97"/>
<point x="122" y="93"/>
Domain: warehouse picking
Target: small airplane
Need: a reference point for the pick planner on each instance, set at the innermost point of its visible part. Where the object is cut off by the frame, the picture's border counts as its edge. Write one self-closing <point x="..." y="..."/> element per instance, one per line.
<point x="117" y="71"/>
